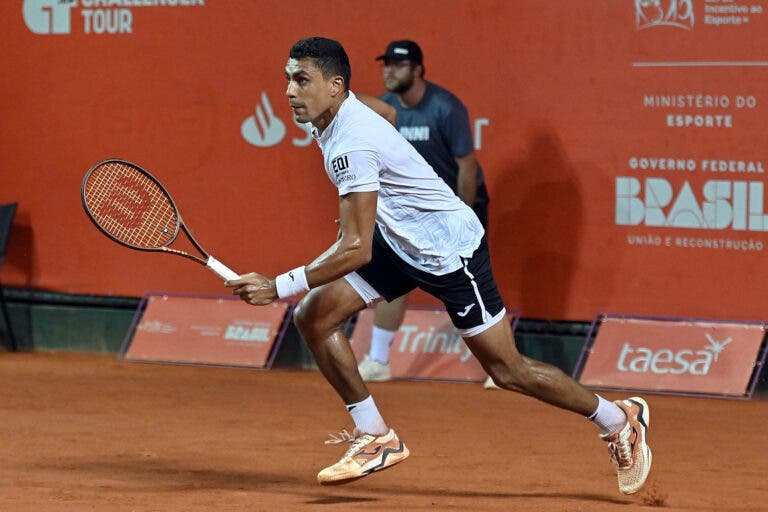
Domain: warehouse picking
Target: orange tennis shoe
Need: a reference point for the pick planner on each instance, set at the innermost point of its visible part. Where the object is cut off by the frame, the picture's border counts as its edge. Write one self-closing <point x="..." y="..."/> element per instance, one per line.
<point x="367" y="454"/>
<point x="627" y="446"/>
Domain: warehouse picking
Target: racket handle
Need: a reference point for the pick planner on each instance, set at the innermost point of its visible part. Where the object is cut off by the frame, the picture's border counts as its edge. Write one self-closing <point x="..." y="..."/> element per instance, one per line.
<point x="221" y="270"/>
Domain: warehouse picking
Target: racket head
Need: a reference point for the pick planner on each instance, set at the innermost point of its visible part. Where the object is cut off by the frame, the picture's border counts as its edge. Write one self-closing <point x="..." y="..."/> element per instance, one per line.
<point x="129" y="205"/>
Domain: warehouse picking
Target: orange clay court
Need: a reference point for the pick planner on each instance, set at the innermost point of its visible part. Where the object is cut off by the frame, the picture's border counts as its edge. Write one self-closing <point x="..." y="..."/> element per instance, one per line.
<point x="88" y="432"/>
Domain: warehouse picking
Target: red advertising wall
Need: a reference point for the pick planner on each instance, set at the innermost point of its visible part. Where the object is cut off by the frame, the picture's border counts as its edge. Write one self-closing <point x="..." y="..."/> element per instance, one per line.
<point x="623" y="143"/>
<point x="426" y="346"/>
<point x="715" y="358"/>
<point x="206" y="330"/>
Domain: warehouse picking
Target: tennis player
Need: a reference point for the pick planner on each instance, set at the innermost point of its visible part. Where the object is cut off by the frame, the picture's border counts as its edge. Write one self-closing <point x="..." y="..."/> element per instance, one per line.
<point x="401" y="228"/>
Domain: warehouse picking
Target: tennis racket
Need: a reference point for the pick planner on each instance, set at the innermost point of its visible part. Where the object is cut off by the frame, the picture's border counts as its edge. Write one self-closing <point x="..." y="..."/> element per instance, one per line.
<point x="132" y="207"/>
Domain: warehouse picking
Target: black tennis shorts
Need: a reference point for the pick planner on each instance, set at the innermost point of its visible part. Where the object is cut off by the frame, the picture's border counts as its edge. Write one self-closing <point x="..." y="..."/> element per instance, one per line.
<point x="469" y="294"/>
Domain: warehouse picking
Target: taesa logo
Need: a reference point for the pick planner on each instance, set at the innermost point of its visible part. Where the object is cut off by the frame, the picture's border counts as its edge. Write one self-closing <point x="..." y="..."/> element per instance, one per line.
<point x="656" y="13"/>
<point x="48" y="16"/>
<point x="693" y="362"/>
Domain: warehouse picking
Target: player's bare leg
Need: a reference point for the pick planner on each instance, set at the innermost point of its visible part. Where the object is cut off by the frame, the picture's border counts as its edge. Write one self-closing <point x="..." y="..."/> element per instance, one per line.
<point x="495" y="349"/>
<point x="320" y="318"/>
<point x="624" y="422"/>
<point x="389" y="315"/>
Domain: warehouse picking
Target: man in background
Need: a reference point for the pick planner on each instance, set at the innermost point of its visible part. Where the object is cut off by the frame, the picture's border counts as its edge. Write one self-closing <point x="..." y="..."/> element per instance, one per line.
<point x="436" y="123"/>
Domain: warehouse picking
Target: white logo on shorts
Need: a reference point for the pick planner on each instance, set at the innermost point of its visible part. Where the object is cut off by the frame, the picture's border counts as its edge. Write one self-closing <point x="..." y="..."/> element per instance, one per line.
<point x="466" y="310"/>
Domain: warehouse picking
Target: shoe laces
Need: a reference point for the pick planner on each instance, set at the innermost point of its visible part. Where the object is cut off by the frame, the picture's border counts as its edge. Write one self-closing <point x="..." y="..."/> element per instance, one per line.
<point x="342" y="437"/>
<point x="620" y="450"/>
<point x="357" y="438"/>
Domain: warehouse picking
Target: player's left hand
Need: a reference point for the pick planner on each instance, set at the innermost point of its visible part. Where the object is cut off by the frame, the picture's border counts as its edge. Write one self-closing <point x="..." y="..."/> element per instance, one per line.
<point x="253" y="288"/>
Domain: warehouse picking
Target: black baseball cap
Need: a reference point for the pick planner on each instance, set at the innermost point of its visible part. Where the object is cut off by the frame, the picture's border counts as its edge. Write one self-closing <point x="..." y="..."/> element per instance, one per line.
<point x="402" y="50"/>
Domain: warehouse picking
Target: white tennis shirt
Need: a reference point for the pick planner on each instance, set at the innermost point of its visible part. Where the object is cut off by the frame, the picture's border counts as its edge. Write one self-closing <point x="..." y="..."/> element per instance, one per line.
<point x="420" y="217"/>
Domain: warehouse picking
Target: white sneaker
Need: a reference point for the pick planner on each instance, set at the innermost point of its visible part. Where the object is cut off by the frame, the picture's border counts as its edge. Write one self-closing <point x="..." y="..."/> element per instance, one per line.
<point x="367" y="454"/>
<point x="372" y="370"/>
<point x="627" y="446"/>
<point x="489" y="384"/>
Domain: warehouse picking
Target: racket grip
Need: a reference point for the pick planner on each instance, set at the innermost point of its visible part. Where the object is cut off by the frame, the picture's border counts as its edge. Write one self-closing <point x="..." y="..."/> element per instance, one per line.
<point x="221" y="270"/>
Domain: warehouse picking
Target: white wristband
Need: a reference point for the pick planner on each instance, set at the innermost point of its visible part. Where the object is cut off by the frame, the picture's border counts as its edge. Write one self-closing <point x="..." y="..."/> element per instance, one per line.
<point x="291" y="283"/>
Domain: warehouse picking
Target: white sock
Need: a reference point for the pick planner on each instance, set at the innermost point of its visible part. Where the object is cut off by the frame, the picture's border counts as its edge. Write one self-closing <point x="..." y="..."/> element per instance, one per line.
<point x="381" y="341"/>
<point x="367" y="418"/>
<point x="608" y="416"/>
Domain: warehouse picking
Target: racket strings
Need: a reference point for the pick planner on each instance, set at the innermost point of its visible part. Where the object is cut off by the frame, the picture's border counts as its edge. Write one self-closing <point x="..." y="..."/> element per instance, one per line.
<point x="130" y="206"/>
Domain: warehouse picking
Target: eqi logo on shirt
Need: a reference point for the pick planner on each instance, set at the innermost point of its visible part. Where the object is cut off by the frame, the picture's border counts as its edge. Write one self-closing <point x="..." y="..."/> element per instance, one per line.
<point x="47" y="17"/>
<point x="340" y="163"/>
<point x="341" y="170"/>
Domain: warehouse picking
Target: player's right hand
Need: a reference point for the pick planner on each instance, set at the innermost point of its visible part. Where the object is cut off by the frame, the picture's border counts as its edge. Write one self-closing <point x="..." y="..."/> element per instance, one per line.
<point x="253" y="288"/>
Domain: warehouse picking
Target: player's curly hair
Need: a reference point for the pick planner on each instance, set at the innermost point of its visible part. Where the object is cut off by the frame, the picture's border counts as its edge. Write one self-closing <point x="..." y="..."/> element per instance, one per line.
<point x="330" y="57"/>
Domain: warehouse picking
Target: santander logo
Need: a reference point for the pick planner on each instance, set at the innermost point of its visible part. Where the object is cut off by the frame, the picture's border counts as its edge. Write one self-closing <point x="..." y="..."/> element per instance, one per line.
<point x="676" y="362"/>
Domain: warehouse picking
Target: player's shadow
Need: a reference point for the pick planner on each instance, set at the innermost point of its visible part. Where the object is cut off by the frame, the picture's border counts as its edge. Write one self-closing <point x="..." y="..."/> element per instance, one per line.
<point x="536" y="212"/>
<point x="479" y="495"/>
<point x="338" y="500"/>
<point x="134" y="474"/>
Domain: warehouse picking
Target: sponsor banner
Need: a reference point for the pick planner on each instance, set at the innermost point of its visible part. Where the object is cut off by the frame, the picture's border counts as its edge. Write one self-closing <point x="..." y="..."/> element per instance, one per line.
<point x="677" y="356"/>
<point x="206" y="330"/>
<point x="90" y="17"/>
<point x="426" y="346"/>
